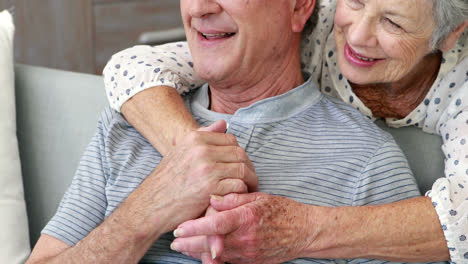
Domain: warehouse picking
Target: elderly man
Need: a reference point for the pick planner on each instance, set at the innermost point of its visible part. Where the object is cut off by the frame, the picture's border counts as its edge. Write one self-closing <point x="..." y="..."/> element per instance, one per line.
<point x="307" y="150"/>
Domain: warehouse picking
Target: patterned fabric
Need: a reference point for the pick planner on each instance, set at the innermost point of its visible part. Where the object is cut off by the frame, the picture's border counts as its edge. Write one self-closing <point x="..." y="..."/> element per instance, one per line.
<point x="305" y="146"/>
<point x="444" y="110"/>
<point x="138" y="68"/>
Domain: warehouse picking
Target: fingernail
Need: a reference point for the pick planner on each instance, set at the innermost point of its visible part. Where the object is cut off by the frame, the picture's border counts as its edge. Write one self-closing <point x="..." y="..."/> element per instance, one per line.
<point x="178" y="232"/>
<point x="186" y="254"/>
<point x="213" y="253"/>
<point x="175" y="246"/>
<point x="216" y="198"/>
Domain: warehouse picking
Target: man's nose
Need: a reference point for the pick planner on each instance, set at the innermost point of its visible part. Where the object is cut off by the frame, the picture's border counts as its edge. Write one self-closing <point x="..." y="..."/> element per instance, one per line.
<point x="362" y="33"/>
<point x="200" y="8"/>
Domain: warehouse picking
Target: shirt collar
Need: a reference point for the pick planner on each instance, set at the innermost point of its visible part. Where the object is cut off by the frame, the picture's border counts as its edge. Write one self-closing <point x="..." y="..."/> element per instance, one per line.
<point x="272" y="109"/>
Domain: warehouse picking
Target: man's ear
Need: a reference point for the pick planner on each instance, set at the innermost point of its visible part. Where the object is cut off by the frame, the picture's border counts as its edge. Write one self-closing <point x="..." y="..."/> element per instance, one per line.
<point x="452" y="38"/>
<point x="302" y="12"/>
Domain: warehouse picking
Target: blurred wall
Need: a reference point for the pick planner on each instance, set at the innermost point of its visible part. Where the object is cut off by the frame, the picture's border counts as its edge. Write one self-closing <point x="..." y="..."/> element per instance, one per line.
<point x="81" y="35"/>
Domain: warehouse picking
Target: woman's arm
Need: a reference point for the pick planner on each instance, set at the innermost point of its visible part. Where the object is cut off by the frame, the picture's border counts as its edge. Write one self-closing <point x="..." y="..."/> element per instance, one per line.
<point x="405" y="231"/>
<point x="160" y="115"/>
<point x="450" y="193"/>
<point x="401" y="230"/>
<point x="144" y="83"/>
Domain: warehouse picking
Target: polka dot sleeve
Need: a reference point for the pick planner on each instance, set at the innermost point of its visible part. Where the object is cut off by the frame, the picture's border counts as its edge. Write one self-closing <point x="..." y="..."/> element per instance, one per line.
<point x="450" y="194"/>
<point x="141" y="67"/>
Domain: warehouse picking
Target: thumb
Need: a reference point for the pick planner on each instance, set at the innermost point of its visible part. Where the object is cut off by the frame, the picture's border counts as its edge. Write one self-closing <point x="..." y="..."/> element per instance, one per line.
<point x="232" y="200"/>
<point x="219" y="126"/>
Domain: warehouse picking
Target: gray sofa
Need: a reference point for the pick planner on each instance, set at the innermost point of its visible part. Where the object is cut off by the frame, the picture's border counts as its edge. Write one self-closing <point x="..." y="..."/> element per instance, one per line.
<point x="56" y="117"/>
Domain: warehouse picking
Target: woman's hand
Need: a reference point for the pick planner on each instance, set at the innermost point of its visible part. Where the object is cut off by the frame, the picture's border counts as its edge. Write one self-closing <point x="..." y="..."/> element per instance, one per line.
<point x="249" y="228"/>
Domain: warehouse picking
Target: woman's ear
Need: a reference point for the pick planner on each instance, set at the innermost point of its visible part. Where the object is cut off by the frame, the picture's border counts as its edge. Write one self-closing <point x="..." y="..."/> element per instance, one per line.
<point x="452" y="38"/>
<point x="302" y="12"/>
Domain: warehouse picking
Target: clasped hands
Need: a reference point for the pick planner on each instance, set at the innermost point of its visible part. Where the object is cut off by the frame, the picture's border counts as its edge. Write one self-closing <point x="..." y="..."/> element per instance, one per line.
<point x="238" y="227"/>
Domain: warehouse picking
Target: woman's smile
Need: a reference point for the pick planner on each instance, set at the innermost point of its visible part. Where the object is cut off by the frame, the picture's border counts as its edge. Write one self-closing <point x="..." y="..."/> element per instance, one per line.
<point x="357" y="59"/>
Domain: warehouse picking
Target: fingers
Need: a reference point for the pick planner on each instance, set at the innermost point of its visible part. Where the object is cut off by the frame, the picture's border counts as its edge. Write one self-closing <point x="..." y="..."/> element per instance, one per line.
<point x="206" y="258"/>
<point x="218" y="224"/>
<point x="224" y="169"/>
<point x="226" y="154"/>
<point x="231" y="201"/>
<point x="230" y="186"/>
<point x="238" y="171"/>
<point x="252" y="183"/>
<point x="194" y="244"/>
<point x="210" y="138"/>
<point x="223" y="148"/>
<point x="214" y="245"/>
<point x="219" y="126"/>
<point x="210" y="211"/>
<point x="244" y="170"/>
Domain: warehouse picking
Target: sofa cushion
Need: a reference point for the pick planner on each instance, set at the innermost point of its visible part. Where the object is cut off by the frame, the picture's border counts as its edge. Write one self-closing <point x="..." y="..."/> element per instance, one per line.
<point x="57" y="113"/>
<point x="14" y="238"/>
<point x="423" y="151"/>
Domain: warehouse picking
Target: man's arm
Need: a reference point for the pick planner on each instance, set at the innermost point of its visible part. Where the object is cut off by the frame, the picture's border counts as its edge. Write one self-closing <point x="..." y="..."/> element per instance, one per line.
<point x="176" y="191"/>
<point x="122" y="238"/>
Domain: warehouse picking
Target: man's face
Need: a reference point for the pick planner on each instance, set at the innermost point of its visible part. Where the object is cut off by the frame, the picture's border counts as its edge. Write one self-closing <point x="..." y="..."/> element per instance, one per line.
<point x="233" y="40"/>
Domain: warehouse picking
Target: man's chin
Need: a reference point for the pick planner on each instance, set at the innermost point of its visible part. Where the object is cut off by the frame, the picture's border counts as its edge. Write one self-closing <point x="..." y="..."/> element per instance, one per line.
<point x="210" y="75"/>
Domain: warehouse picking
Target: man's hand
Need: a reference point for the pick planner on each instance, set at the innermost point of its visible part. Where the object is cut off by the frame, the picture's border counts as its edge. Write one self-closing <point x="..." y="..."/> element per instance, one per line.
<point x="203" y="164"/>
<point x="257" y="228"/>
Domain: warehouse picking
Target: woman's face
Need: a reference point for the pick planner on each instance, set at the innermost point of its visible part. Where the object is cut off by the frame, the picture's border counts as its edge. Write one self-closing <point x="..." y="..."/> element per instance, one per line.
<point x="382" y="41"/>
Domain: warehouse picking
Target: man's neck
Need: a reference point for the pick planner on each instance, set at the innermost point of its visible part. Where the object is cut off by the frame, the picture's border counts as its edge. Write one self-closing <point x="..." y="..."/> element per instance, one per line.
<point x="261" y="84"/>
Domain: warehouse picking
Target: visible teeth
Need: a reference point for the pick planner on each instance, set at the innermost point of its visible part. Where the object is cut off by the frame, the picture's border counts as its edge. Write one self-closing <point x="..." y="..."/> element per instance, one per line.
<point x="364" y="59"/>
<point x="217" y="35"/>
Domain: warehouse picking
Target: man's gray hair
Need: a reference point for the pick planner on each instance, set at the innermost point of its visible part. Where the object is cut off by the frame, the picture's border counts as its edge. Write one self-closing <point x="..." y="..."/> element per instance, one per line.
<point x="448" y="15"/>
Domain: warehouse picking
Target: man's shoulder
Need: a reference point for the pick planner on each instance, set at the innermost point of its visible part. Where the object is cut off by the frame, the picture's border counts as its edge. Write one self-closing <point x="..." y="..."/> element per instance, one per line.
<point x="117" y="133"/>
<point x="109" y="119"/>
<point x="123" y="147"/>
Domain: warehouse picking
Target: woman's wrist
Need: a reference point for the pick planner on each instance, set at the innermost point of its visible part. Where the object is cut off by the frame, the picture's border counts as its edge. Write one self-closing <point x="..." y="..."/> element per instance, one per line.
<point x="335" y="232"/>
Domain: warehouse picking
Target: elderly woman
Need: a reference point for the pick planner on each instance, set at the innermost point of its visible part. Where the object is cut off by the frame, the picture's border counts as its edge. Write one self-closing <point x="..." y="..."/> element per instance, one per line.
<point x="405" y="61"/>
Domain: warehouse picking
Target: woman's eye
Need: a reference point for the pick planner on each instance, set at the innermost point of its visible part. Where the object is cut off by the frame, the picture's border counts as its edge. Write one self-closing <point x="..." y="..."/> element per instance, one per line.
<point x="355" y="4"/>
<point x="393" y="24"/>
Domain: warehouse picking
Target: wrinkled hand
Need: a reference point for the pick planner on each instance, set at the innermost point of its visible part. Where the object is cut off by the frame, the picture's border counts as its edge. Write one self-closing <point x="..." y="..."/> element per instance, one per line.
<point x="213" y="243"/>
<point x="203" y="164"/>
<point x="257" y="228"/>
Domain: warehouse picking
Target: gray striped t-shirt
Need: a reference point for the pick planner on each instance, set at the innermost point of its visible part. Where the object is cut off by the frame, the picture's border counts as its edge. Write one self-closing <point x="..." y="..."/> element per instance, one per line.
<point x="305" y="146"/>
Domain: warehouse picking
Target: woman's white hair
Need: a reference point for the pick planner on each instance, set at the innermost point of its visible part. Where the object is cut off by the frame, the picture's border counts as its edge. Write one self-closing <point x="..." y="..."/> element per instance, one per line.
<point x="448" y="14"/>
